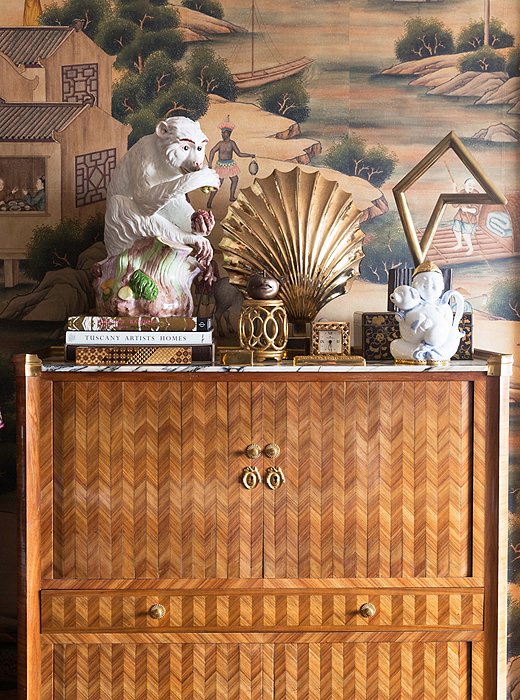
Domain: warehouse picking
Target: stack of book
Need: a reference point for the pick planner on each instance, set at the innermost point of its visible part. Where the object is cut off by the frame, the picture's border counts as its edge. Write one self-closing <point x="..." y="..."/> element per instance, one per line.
<point x="139" y="340"/>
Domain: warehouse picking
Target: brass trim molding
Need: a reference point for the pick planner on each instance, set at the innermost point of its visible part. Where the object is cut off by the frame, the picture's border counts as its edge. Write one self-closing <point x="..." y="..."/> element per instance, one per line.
<point x="33" y="366"/>
<point x="499" y="364"/>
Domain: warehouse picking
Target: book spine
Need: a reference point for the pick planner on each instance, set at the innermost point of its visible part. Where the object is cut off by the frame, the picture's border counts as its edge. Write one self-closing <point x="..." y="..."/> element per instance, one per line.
<point x="141" y="355"/>
<point x="138" y="323"/>
<point x="137" y="338"/>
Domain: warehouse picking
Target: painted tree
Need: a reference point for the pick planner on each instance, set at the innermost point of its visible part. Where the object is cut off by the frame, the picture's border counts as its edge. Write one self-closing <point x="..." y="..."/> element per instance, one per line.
<point x="55" y="247"/>
<point x="213" y="8"/>
<point x="127" y="96"/>
<point x="211" y="73"/>
<point x="352" y="156"/>
<point x="473" y="36"/>
<point x="288" y="98"/>
<point x="513" y="63"/>
<point x="384" y="247"/>
<point x="91" y="12"/>
<point x="485" y="59"/>
<point x="423" y="38"/>
<point x="183" y="99"/>
<point x="139" y="28"/>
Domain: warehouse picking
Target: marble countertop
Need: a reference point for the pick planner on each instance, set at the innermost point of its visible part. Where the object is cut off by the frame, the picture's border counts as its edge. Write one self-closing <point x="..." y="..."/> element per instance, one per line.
<point x="476" y="365"/>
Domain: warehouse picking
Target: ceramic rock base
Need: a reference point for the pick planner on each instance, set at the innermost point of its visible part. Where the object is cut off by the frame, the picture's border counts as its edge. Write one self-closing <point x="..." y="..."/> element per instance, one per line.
<point x="150" y="279"/>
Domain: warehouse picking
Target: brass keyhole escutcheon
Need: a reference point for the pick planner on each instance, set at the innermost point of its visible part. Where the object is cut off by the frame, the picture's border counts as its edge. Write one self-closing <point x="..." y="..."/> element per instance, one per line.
<point x="251" y="477"/>
<point x="157" y="611"/>
<point x="272" y="450"/>
<point x="274" y="478"/>
<point x="367" y="610"/>
<point x="253" y="451"/>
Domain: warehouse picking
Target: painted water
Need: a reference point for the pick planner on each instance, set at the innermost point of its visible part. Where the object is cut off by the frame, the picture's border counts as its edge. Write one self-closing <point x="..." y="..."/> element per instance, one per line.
<point x="351" y="41"/>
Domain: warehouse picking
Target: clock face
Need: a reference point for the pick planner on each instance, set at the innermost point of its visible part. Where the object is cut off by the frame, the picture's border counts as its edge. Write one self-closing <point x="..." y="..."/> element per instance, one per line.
<point x="329" y="342"/>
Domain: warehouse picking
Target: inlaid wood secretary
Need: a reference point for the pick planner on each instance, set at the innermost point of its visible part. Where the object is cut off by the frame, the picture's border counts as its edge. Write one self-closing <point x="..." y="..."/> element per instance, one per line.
<point x="263" y="535"/>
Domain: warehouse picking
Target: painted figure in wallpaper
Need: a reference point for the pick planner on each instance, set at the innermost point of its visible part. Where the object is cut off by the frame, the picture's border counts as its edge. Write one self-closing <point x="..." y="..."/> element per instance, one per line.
<point x="37" y="200"/>
<point x="226" y="165"/>
<point x="6" y="194"/>
<point x="31" y="12"/>
<point x="465" y="220"/>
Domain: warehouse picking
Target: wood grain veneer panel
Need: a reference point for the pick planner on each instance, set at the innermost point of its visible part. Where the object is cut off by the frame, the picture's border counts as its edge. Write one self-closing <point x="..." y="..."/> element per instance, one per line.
<point x="379" y="479"/>
<point x="244" y="539"/>
<point x="146" y="481"/>
<point x="46" y="479"/>
<point x="261" y="610"/>
<point x="294" y="671"/>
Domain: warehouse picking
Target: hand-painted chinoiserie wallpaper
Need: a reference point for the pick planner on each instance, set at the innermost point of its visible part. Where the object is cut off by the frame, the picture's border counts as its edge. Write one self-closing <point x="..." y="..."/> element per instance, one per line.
<point x="362" y="89"/>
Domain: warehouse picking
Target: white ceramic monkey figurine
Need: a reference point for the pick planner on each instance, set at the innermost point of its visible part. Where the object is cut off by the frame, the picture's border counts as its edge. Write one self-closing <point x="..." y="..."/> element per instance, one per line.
<point x="147" y="191"/>
<point x="156" y="242"/>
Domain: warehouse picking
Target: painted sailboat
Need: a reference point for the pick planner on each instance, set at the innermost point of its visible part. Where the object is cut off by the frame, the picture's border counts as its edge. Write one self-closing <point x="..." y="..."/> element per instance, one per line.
<point x="256" y="77"/>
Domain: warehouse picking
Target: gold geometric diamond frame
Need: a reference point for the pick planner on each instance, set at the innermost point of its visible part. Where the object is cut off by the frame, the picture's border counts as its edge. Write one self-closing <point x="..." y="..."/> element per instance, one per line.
<point x="491" y="195"/>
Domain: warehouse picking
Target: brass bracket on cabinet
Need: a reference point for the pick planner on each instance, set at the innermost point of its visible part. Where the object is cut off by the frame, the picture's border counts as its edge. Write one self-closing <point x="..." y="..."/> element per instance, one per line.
<point x="33" y="366"/>
<point x="274" y="477"/>
<point x="251" y="477"/>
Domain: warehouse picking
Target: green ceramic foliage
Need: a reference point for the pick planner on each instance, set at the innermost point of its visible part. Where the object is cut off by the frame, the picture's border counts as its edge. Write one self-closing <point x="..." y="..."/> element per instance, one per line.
<point x="143" y="286"/>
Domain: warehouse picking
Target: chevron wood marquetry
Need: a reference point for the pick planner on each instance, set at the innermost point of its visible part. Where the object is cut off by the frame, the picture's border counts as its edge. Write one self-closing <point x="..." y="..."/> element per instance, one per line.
<point x="370" y="492"/>
<point x="389" y="483"/>
<point x="383" y="671"/>
<point x="267" y="610"/>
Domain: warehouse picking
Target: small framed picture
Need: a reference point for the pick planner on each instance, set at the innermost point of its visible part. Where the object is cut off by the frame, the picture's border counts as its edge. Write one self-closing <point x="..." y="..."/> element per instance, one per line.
<point x="330" y="337"/>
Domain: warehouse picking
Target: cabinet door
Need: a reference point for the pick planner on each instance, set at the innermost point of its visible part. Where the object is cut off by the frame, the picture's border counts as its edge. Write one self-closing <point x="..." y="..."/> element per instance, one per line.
<point x="145" y="482"/>
<point x="366" y="671"/>
<point x="240" y="671"/>
<point x="130" y="671"/>
<point x="379" y="479"/>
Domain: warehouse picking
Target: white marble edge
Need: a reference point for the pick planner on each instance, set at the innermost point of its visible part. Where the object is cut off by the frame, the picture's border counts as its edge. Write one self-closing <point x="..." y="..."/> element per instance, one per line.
<point x="456" y="366"/>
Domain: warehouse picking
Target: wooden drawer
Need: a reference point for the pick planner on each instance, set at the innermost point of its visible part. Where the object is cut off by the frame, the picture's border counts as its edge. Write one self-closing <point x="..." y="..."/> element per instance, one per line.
<point x="284" y="610"/>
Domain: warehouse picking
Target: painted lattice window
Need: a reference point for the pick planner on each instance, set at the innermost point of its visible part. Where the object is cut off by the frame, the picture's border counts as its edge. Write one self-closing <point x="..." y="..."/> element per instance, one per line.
<point x="80" y="83"/>
<point x="93" y="172"/>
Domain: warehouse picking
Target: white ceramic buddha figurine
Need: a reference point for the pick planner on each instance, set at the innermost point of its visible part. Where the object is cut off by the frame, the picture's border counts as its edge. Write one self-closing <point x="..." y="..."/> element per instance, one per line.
<point x="428" y="323"/>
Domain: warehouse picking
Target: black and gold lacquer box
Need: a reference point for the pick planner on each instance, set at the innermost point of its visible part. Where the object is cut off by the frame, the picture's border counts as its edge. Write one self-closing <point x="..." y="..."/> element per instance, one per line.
<point x="374" y="331"/>
<point x="465" y="351"/>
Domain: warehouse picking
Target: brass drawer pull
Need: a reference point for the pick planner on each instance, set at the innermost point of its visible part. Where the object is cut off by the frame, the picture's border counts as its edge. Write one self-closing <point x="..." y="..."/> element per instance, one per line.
<point x="367" y="610"/>
<point x="274" y="478"/>
<point x="251" y="477"/>
<point x="253" y="451"/>
<point x="272" y="450"/>
<point x="157" y="611"/>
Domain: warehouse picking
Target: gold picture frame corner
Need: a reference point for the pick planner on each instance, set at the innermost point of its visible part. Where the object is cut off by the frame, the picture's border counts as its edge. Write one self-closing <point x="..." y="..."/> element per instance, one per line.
<point x="491" y="195"/>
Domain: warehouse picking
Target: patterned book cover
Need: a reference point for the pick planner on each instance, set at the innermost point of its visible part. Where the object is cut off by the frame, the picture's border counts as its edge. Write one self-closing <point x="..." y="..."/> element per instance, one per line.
<point x="138" y="338"/>
<point x="138" y="323"/>
<point x="139" y="355"/>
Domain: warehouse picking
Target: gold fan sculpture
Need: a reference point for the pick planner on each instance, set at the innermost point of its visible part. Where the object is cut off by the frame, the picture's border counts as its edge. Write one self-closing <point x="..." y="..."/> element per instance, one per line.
<point x="301" y="229"/>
